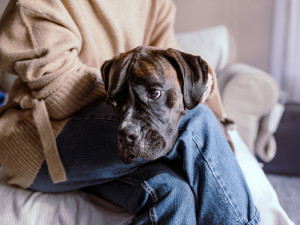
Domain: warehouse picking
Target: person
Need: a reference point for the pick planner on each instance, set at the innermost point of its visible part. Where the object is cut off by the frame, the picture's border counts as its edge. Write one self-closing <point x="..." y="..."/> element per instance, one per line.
<point x="57" y="133"/>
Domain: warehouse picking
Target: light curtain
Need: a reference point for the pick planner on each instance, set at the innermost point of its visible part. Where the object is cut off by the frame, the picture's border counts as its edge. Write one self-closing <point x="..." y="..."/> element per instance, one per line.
<point x="285" y="47"/>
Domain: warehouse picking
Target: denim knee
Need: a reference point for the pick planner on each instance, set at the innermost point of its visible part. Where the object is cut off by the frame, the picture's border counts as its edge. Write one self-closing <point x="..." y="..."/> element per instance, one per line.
<point x="167" y="186"/>
<point x="163" y="198"/>
<point x="175" y="200"/>
<point x="201" y="115"/>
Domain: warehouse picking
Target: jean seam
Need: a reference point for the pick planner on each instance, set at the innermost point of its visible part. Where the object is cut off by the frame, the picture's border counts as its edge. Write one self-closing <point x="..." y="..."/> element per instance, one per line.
<point x="130" y="181"/>
<point x="255" y="219"/>
<point x="151" y="192"/>
<point x="212" y="171"/>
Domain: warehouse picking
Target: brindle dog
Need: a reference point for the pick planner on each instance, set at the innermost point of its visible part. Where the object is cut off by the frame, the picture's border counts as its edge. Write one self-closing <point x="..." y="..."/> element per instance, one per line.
<point x="150" y="88"/>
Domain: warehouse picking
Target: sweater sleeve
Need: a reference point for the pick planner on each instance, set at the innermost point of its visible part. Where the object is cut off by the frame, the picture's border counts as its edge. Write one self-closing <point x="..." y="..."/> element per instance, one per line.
<point x="39" y="41"/>
<point x="163" y="34"/>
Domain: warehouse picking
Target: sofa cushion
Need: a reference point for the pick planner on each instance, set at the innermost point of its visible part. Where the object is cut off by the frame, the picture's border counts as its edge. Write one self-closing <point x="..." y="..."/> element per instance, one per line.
<point x="215" y="44"/>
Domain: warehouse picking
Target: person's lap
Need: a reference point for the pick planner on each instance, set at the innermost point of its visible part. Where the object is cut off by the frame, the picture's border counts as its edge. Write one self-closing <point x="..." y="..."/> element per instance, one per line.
<point x="88" y="149"/>
<point x="200" y="166"/>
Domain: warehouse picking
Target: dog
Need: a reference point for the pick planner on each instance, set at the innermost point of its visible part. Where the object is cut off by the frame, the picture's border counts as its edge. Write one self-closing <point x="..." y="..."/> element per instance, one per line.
<point x="150" y="89"/>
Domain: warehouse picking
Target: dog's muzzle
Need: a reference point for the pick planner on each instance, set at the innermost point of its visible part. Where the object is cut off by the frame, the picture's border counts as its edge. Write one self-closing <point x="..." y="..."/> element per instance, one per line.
<point x="127" y="139"/>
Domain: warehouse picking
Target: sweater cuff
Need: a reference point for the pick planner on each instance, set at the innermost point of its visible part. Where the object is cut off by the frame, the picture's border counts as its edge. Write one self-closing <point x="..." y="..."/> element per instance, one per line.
<point x="79" y="90"/>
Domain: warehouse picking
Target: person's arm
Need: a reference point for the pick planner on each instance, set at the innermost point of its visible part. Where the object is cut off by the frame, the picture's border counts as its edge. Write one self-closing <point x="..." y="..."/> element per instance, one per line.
<point x="40" y="42"/>
<point x="42" y="49"/>
<point x="163" y="35"/>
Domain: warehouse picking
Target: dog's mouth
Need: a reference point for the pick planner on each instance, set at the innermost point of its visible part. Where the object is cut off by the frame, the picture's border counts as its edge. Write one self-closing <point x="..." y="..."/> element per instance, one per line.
<point x="150" y="146"/>
<point x="128" y="158"/>
<point x="127" y="153"/>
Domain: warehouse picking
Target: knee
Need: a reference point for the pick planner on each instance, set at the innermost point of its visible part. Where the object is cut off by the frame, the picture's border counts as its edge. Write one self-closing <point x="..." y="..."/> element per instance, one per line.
<point x="165" y="200"/>
<point x="160" y="188"/>
<point x="173" y="190"/>
<point x="200" y="120"/>
<point x="202" y="112"/>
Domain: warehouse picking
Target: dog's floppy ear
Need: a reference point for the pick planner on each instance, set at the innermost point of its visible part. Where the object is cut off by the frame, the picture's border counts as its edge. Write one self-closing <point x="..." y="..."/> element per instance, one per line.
<point x="192" y="74"/>
<point x="105" y="69"/>
<point x="115" y="71"/>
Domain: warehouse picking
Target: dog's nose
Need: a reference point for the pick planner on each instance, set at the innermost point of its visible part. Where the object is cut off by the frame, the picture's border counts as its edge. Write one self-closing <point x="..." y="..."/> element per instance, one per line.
<point x="128" y="135"/>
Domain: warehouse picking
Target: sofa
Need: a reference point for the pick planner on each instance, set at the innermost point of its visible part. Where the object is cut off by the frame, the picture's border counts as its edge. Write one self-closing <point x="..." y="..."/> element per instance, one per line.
<point x="251" y="99"/>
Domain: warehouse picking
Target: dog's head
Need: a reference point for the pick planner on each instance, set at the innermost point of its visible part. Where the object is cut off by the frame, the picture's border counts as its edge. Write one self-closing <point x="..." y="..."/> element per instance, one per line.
<point x="150" y="89"/>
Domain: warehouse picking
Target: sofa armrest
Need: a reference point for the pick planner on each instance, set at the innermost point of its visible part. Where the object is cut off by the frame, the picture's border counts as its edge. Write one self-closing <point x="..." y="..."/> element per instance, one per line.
<point x="248" y="95"/>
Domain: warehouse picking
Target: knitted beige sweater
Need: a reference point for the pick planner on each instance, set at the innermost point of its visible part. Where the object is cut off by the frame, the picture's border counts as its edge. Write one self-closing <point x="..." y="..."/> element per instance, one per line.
<point x="56" y="47"/>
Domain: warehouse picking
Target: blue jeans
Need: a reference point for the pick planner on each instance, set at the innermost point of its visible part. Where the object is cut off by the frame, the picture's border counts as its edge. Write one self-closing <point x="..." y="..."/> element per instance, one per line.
<point x="198" y="182"/>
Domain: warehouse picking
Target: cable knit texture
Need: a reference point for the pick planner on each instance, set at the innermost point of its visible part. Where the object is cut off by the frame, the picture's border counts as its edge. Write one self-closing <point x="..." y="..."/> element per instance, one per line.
<point x="57" y="47"/>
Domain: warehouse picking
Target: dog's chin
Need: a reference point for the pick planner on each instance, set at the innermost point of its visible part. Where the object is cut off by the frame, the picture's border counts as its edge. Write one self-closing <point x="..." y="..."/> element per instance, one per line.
<point x="148" y="150"/>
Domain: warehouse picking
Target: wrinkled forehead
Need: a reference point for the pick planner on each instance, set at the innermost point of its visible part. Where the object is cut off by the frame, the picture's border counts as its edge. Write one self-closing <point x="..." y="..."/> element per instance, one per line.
<point x="142" y="67"/>
<point x="152" y="68"/>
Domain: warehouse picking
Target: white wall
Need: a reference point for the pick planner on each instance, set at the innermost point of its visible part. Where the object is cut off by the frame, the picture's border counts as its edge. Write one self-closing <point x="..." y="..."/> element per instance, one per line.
<point x="249" y="20"/>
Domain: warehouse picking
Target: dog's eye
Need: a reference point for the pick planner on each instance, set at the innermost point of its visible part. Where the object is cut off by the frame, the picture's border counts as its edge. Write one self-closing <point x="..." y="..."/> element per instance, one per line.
<point x="153" y="94"/>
